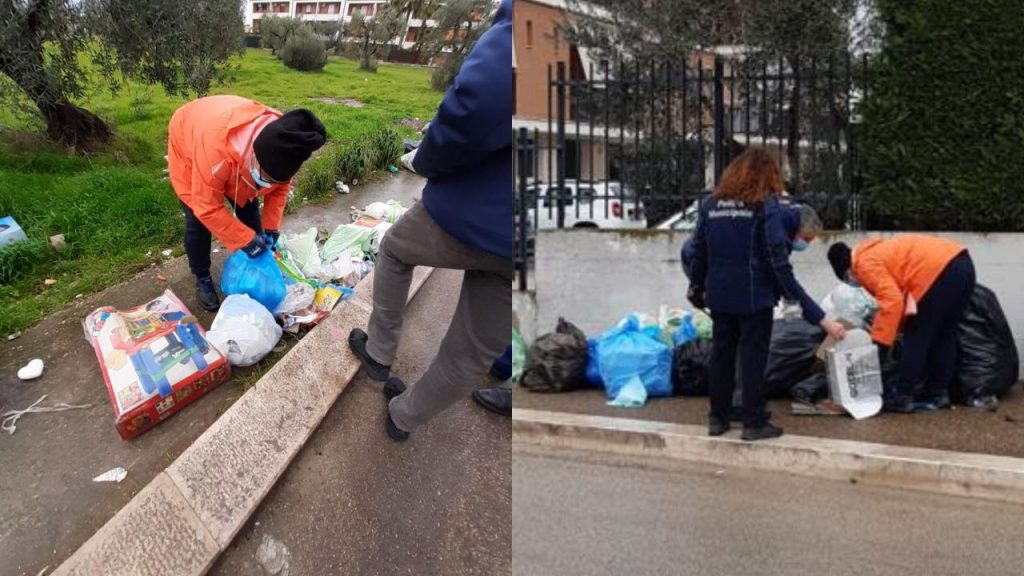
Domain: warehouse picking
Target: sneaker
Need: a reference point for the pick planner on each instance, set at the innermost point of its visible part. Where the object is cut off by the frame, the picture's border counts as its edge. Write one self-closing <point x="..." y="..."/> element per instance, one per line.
<point x="357" y="340"/>
<point x="716" y="427"/>
<point x="763" y="433"/>
<point x="392" y="388"/>
<point x="898" y="404"/>
<point x="208" y="297"/>
<point x="934" y="402"/>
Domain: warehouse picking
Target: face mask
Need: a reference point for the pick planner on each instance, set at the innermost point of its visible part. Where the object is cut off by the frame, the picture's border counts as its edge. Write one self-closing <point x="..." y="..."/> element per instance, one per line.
<point x="851" y="280"/>
<point x="260" y="183"/>
<point x="800" y="245"/>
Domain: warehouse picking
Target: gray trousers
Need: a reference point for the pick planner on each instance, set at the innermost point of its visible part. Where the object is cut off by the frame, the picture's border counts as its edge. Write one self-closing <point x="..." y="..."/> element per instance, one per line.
<point x="477" y="334"/>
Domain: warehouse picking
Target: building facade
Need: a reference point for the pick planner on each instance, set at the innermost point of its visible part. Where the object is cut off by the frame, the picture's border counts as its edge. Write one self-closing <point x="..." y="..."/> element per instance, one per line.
<point x="329" y="11"/>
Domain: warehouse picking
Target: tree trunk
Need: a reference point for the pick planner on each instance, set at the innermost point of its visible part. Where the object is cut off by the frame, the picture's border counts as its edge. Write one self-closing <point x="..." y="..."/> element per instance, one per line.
<point x="66" y="124"/>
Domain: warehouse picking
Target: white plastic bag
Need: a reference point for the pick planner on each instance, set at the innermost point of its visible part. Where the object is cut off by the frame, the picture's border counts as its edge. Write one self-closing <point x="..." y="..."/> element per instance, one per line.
<point x="390" y="211"/>
<point x="855" y="375"/>
<point x="244" y="330"/>
<point x="853" y="305"/>
<point x="297" y="297"/>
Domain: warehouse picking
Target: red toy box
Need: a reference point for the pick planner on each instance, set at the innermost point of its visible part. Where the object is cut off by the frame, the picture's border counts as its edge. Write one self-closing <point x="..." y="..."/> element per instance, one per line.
<point x="155" y="360"/>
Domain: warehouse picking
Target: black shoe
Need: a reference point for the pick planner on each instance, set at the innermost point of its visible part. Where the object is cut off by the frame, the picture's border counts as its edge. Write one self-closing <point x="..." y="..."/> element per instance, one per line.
<point x="898" y="404"/>
<point x="716" y="427"/>
<point x="208" y="297"/>
<point x="763" y="433"/>
<point x="392" y="388"/>
<point x="375" y="370"/>
<point x="497" y="400"/>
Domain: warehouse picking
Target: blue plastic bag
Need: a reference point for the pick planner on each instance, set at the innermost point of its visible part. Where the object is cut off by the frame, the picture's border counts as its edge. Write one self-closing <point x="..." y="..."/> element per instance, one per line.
<point x="259" y="278"/>
<point x="632" y="395"/>
<point x="631" y="350"/>
<point x="686" y="333"/>
<point x="593" y="372"/>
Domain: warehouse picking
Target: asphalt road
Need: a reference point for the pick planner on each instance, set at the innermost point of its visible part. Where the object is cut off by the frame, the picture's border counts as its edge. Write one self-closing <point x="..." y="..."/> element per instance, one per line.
<point x="576" y="513"/>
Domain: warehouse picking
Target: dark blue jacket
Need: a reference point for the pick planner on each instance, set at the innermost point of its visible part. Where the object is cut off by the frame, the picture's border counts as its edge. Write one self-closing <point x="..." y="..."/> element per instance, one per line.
<point x="790" y="222"/>
<point x="741" y="259"/>
<point x="466" y="154"/>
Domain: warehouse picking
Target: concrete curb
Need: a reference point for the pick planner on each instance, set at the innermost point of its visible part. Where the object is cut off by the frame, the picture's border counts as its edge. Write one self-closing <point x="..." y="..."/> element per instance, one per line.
<point x="181" y="521"/>
<point x="953" y="473"/>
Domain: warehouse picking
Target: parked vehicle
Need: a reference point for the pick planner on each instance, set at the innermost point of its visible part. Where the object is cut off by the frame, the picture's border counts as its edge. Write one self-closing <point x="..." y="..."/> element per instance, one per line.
<point x="605" y="205"/>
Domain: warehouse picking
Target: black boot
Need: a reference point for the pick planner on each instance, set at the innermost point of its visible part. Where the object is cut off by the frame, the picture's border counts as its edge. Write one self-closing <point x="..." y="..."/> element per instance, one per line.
<point x="357" y="340"/>
<point x="898" y="404"/>
<point x="208" y="297"/>
<point x="497" y="400"/>
<point x="763" y="433"/>
<point x="392" y="388"/>
<point x="716" y="427"/>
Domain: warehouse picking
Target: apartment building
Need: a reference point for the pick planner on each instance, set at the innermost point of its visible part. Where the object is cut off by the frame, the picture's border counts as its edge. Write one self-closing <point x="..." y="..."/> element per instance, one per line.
<point x="330" y="11"/>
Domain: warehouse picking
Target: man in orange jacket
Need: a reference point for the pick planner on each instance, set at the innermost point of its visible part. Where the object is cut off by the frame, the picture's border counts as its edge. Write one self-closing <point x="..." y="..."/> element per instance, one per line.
<point x="923" y="284"/>
<point x="229" y="150"/>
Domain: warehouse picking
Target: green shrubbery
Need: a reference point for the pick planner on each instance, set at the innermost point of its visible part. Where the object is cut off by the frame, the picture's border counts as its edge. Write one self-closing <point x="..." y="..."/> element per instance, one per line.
<point x="348" y="162"/>
<point x="943" y="135"/>
<point x="304" y="51"/>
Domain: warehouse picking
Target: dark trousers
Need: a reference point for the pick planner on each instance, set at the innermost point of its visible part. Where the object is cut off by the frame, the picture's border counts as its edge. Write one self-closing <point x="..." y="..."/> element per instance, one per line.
<point x="740" y="343"/>
<point x="198" y="239"/>
<point x="929" y="337"/>
<point x="502" y="367"/>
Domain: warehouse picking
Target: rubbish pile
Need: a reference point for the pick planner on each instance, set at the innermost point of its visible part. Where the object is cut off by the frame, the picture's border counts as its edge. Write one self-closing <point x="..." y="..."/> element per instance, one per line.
<point x="645" y="357"/>
<point x="157" y="358"/>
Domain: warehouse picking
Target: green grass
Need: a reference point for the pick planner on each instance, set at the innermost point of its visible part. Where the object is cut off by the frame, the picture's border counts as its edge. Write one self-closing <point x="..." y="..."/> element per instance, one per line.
<point x="115" y="207"/>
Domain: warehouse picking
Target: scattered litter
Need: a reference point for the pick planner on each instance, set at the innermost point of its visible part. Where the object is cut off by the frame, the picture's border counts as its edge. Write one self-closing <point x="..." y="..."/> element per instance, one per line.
<point x="167" y="253"/>
<point x="161" y="277"/>
<point x="10" y="232"/>
<point x="392" y="168"/>
<point x="10" y="422"/>
<point x="78" y="296"/>
<point x="355" y="181"/>
<point x="113" y="475"/>
<point x="58" y="242"/>
<point x="32" y="370"/>
<point x="273" y="556"/>
<point x="14" y="336"/>
<point x="155" y="359"/>
<point x="389" y="211"/>
<point x="216" y="250"/>
<point x="822" y="408"/>
<point x="719" y="473"/>
<point x="855" y="375"/>
<point x="43" y="571"/>
<point x="49" y="281"/>
<point x="342" y="187"/>
<point x="407" y="159"/>
<point x="149" y="253"/>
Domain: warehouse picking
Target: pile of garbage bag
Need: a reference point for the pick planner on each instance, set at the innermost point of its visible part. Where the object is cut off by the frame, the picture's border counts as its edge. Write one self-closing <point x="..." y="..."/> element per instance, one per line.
<point x="643" y="357"/>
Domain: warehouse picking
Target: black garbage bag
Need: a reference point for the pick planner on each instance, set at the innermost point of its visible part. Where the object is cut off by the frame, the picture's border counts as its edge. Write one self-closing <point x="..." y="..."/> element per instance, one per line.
<point x="556" y="362"/>
<point x="691" y="366"/>
<point x="791" y="356"/>
<point x="987" y="353"/>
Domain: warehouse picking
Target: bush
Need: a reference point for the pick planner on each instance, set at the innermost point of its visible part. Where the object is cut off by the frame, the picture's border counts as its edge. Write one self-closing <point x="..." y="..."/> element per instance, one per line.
<point x="387" y="143"/>
<point x="275" y="31"/>
<point x="304" y="51"/>
<point x="349" y="162"/>
<point x="944" y="117"/>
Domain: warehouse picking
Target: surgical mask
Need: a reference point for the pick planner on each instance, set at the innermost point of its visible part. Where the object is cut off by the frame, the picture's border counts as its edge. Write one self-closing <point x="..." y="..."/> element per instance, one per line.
<point x="852" y="280"/>
<point x="800" y="245"/>
<point x="260" y="182"/>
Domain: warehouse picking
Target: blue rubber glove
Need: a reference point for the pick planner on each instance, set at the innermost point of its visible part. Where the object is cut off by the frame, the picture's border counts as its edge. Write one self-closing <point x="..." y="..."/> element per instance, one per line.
<point x="256" y="247"/>
<point x="270" y="238"/>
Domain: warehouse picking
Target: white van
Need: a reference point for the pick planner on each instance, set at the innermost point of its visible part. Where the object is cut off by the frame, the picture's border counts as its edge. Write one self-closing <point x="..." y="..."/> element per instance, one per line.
<point x="605" y="205"/>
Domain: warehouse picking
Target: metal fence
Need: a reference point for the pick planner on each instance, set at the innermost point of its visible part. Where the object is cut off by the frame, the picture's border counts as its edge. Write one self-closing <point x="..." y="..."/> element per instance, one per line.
<point x="635" y="144"/>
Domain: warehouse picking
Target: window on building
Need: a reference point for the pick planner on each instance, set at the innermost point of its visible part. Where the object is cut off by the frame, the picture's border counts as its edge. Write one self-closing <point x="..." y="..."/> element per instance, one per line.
<point x="529" y="34"/>
<point x="411" y="35"/>
<point x="558" y="42"/>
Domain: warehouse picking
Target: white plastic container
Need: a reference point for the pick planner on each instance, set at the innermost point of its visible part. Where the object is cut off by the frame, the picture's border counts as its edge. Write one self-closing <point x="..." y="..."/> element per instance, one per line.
<point x="855" y="375"/>
<point x="10" y="232"/>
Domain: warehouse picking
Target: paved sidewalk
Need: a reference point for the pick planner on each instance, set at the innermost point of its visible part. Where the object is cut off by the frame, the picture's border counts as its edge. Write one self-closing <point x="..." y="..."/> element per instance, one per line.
<point x="998" y="433"/>
<point x="354" y="502"/>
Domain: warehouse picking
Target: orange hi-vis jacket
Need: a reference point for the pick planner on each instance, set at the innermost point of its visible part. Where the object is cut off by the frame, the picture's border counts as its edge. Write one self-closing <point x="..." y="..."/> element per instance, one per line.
<point x="207" y="167"/>
<point x="897" y="268"/>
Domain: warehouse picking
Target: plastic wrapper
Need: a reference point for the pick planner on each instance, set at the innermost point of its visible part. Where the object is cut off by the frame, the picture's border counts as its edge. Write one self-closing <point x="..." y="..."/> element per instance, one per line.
<point x="155" y="359"/>
<point x="853" y="305"/>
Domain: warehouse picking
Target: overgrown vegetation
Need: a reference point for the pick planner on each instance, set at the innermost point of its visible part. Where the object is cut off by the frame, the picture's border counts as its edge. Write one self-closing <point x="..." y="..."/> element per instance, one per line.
<point x="348" y="162"/>
<point x="114" y="207"/>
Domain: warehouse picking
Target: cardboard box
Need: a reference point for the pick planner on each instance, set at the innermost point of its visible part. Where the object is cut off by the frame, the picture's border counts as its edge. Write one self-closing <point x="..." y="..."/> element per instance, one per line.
<point x="155" y="360"/>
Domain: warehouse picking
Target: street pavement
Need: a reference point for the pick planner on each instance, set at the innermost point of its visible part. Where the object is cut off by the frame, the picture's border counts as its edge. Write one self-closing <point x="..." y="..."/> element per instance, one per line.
<point x="354" y="502"/>
<point x="50" y="505"/>
<point x="582" y="514"/>
<point x="999" y="432"/>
